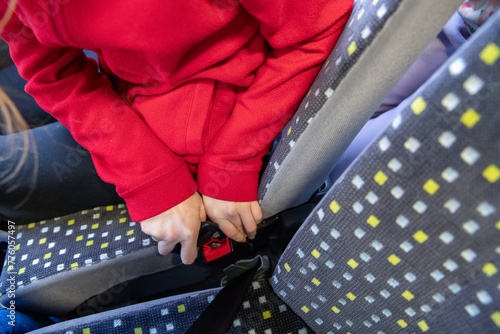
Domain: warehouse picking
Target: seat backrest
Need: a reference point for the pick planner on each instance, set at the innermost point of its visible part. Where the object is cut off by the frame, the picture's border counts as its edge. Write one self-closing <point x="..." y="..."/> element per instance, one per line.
<point x="382" y="39"/>
<point x="408" y="241"/>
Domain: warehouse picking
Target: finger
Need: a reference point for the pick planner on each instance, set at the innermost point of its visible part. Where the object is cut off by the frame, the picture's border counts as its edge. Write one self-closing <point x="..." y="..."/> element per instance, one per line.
<point x="189" y="249"/>
<point x="248" y="223"/>
<point x="256" y="211"/>
<point x="147" y="228"/>
<point x="165" y="247"/>
<point x="230" y="230"/>
<point x="203" y="213"/>
<point x="236" y="221"/>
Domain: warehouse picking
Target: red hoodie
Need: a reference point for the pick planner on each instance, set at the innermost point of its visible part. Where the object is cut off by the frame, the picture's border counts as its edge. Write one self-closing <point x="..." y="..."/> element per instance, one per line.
<point x="183" y="88"/>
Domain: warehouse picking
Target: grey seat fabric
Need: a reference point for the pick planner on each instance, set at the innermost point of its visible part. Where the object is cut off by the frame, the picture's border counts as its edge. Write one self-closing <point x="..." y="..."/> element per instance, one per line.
<point x="59" y="263"/>
<point x="408" y="241"/>
<point x="382" y="39"/>
<point x="261" y="312"/>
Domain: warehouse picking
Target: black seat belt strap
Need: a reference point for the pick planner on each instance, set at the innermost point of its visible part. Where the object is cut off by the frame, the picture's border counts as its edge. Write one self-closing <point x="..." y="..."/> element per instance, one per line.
<point x="221" y="312"/>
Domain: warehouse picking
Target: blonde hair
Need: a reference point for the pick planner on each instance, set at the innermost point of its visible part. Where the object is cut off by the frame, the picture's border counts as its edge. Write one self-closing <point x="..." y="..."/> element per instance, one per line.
<point x="11" y="6"/>
<point x="13" y="122"/>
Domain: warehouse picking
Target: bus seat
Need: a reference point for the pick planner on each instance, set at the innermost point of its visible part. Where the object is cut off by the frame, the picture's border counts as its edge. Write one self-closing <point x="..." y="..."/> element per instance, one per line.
<point x="62" y="262"/>
<point x="407" y="241"/>
<point x="381" y="41"/>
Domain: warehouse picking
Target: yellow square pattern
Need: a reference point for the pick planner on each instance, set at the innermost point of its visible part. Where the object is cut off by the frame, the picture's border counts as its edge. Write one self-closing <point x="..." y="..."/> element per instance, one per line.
<point x="71" y="222"/>
<point x="138" y="330"/>
<point x="89" y="243"/>
<point x="289" y="131"/>
<point x="490" y="54"/>
<point x="123" y="220"/>
<point x="266" y="315"/>
<point x="352" y="263"/>
<point x="104" y="245"/>
<point x="130" y="232"/>
<point x="402" y="323"/>
<point x="17" y="247"/>
<point x="109" y="208"/>
<point x="497" y="225"/>
<point x="418" y="105"/>
<point x="394" y="259"/>
<point x="315" y="253"/>
<point x="79" y="238"/>
<point x="491" y="173"/>
<point x="408" y="295"/>
<point x="423" y="326"/>
<point x="94" y="226"/>
<point x="181" y="308"/>
<point x="287" y="267"/>
<point x="316" y="282"/>
<point x="420" y="236"/>
<point x="21" y="271"/>
<point x="74" y="265"/>
<point x="490" y="269"/>
<point x="42" y="241"/>
<point x="352" y="48"/>
<point x="496" y="318"/>
<point x="334" y="206"/>
<point x="304" y="309"/>
<point x="31" y="225"/>
<point x="336" y="309"/>
<point x="86" y="331"/>
<point x="373" y="221"/>
<point x="470" y="118"/>
<point x="380" y="178"/>
<point x="431" y="187"/>
<point x="47" y="256"/>
<point x="351" y="296"/>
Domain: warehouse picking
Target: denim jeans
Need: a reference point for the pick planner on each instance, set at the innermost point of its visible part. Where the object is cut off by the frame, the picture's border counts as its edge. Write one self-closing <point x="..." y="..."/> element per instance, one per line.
<point x="49" y="175"/>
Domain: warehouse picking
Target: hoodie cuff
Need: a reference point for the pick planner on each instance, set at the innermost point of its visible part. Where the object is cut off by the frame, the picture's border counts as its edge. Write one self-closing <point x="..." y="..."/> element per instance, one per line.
<point x="160" y="194"/>
<point x="227" y="185"/>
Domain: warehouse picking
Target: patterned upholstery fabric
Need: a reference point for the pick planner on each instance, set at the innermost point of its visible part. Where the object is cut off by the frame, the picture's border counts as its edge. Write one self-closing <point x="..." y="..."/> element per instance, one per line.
<point x="409" y="240"/>
<point x="261" y="312"/>
<point x="364" y="65"/>
<point x="56" y="257"/>
<point x="51" y="255"/>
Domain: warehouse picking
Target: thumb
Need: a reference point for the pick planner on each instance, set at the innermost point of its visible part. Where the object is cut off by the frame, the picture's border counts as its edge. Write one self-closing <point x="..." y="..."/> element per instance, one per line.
<point x="203" y="213"/>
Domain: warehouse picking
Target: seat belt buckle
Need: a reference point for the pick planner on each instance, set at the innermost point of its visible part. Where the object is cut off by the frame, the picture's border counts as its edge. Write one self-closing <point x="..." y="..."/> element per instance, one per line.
<point x="216" y="248"/>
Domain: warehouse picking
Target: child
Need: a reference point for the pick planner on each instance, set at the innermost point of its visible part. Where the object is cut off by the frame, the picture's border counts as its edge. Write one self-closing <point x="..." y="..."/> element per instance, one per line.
<point x="187" y="96"/>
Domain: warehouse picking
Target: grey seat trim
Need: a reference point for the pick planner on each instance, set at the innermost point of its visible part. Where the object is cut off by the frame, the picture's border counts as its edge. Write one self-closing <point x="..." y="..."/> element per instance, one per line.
<point x="63" y="292"/>
<point x="305" y="167"/>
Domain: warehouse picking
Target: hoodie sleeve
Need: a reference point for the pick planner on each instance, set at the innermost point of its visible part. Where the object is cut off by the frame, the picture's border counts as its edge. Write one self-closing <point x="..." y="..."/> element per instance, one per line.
<point x="300" y="35"/>
<point x="67" y="84"/>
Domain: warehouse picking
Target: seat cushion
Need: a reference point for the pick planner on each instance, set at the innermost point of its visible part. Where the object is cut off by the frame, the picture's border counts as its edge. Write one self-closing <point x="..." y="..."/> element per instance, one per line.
<point x="59" y="263"/>
<point x="261" y="312"/>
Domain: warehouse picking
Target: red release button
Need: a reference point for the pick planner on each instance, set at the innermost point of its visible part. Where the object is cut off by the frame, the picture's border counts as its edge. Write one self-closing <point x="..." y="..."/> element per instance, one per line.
<point x="215" y="249"/>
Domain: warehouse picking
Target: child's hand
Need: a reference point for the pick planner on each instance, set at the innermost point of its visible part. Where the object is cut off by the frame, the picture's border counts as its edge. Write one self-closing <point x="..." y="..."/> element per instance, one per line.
<point x="178" y="224"/>
<point x="237" y="220"/>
